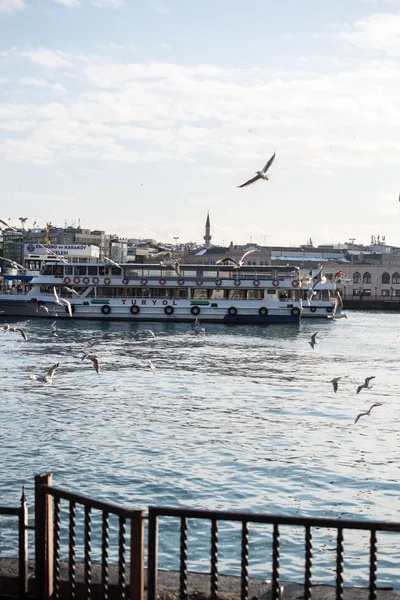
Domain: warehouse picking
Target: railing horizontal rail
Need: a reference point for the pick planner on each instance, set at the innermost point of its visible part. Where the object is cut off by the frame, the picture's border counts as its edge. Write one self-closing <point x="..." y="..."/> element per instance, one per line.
<point x="274" y="519"/>
<point x="109" y="507"/>
<point x="10" y="510"/>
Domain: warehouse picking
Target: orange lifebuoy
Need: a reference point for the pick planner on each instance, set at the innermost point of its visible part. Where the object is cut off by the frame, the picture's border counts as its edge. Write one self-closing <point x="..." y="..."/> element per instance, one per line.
<point x="237" y="282"/>
<point x="218" y="282"/>
<point x="67" y="280"/>
<point x="199" y="282"/>
<point x="295" y="282"/>
<point x="181" y="282"/>
<point x="275" y="282"/>
<point x="125" y="281"/>
<point x="107" y="281"/>
<point x="144" y="280"/>
<point x="162" y="281"/>
<point x="95" y="280"/>
<point x="77" y="280"/>
<point x="256" y="282"/>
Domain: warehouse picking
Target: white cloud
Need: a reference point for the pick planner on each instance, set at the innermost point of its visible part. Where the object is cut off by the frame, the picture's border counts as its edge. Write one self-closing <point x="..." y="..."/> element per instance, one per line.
<point x="378" y="32"/>
<point x="112" y="3"/>
<point x="9" y="6"/>
<point x="45" y="57"/>
<point x="69" y="3"/>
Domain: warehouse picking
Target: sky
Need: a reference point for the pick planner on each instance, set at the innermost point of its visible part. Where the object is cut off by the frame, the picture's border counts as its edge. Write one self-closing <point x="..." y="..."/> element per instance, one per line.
<point x="138" y="116"/>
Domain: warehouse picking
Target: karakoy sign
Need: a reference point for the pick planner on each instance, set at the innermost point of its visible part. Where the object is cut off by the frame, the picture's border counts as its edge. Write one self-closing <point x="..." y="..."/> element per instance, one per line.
<point x="85" y="250"/>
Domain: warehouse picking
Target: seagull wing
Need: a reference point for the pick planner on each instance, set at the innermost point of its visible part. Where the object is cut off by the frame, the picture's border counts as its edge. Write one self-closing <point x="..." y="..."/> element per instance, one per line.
<point x="56" y="296"/>
<point x="269" y="163"/>
<point x="360" y="415"/>
<point x="52" y="370"/>
<point x="368" y="379"/>
<point x="314" y="335"/>
<point x="22" y="332"/>
<point x="250" y="181"/>
<point x="152" y="367"/>
<point x="338" y="303"/>
<point x="95" y="362"/>
<point x="335" y="385"/>
<point x="226" y="260"/>
<point x="68" y="305"/>
<point x="246" y="254"/>
<point x="360" y="387"/>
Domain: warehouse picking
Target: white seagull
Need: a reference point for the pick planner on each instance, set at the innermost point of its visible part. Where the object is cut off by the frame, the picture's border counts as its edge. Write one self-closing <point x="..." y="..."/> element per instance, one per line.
<point x="238" y="263"/>
<point x="40" y="307"/>
<point x="14" y="264"/>
<point x="335" y="381"/>
<point x="197" y="328"/>
<point x="368" y="411"/>
<point x="95" y="361"/>
<point x="53" y="330"/>
<point x="319" y="278"/>
<point x="20" y="331"/>
<point x="260" y="174"/>
<point x="337" y="311"/>
<point x="112" y="262"/>
<point x="62" y="302"/>
<point x="152" y="367"/>
<point x="70" y="290"/>
<point x="365" y="384"/>
<point x="8" y="225"/>
<point x="52" y="253"/>
<point x="313" y="340"/>
<point x="48" y="378"/>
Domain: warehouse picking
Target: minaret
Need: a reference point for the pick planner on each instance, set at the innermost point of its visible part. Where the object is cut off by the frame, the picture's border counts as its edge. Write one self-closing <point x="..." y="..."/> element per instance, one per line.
<point x="207" y="237"/>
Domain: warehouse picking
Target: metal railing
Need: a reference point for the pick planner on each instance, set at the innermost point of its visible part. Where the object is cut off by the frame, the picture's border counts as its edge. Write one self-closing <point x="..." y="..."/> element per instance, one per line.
<point x="47" y="543"/>
<point x="21" y="512"/>
<point x="276" y="521"/>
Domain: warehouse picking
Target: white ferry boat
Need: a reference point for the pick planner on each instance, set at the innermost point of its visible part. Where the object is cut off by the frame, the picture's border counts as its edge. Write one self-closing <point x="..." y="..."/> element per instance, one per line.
<point x="150" y="292"/>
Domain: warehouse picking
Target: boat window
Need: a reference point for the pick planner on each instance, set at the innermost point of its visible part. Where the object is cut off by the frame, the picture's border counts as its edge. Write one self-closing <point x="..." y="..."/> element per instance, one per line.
<point x="80" y="270"/>
<point x="92" y="271"/>
<point x="115" y="271"/>
<point x="47" y="270"/>
<point x="58" y="271"/>
<point x="68" y="270"/>
<point x="325" y="294"/>
<point x="102" y="270"/>
<point x="271" y="292"/>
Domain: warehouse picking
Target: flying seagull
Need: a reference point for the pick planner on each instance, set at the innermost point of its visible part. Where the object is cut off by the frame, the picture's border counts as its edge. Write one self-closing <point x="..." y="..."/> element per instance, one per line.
<point x="52" y="253"/>
<point x="260" y="174"/>
<point x="334" y="383"/>
<point x="8" y="225"/>
<point x="313" y="340"/>
<point x="48" y="378"/>
<point x="70" y="290"/>
<point x="40" y="307"/>
<point x="238" y="263"/>
<point x="112" y="262"/>
<point x="368" y="411"/>
<point x="53" y="330"/>
<point x="197" y="328"/>
<point x="337" y="311"/>
<point x="319" y="278"/>
<point x="14" y="264"/>
<point x="95" y="361"/>
<point x="152" y="367"/>
<point x="62" y="302"/>
<point x="365" y="384"/>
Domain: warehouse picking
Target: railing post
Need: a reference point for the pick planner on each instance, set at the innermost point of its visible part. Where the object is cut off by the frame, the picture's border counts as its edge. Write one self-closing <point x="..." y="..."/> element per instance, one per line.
<point x="152" y="550"/>
<point x="136" y="591"/>
<point x="23" y="547"/>
<point x="43" y="538"/>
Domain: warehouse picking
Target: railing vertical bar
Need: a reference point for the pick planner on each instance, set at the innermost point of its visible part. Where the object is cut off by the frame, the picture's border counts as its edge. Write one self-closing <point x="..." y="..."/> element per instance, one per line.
<point x="72" y="550"/>
<point x="244" y="576"/>
<point x="214" y="559"/>
<point x="372" y="565"/>
<point x="339" y="564"/>
<point x="183" y="560"/>
<point x="56" y="559"/>
<point x="137" y="556"/>
<point x="308" y="563"/>
<point x="122" y="558"/>
<point x="275" y="563"/>
<point x="104" y="555"/>
<point x="152" y="550"/>
<point x="23" y="546"/>
<point x="88" y="553"/>
<point x="43" y="538"/>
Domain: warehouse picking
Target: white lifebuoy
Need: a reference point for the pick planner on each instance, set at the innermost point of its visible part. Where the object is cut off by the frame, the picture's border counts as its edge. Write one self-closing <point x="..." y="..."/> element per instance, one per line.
<point x="67" y="280"/>
<point x="275" y="282"/>
<point x="125" y="281"/>
<point x="162" y="281"/>
<point x="86" y="280"/>
<point x="144" y="280"/>
<point x="77" y="280"/>
<point x="181" y="282"/>
<point x="218" y="282"/>
<point x="295" y="282"/>
<point x="107" y="281"/>
<point x="237" y="282"/>
<point x="256" y="282"/>
<point x="95" y="280"/>
<point x="199" y="282"/>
